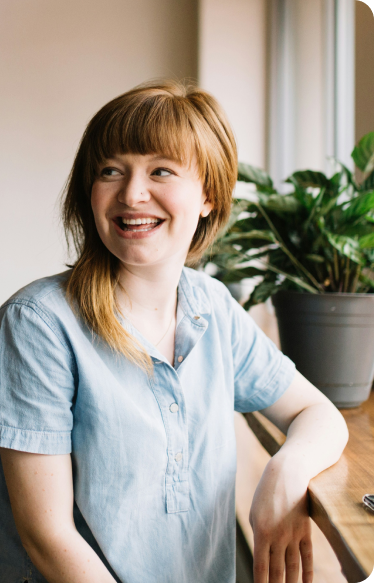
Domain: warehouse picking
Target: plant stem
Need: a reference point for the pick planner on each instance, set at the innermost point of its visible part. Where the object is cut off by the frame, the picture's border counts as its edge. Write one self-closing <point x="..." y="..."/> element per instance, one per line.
<point x="355" y="279"/>
<point x="336" y="265"/>
<point x="331" y="276"/>
<point x="287" y="252"/>
<point x="319" y="272"/>
<point x="346" y="279"/>
<point x="315" y="207"/>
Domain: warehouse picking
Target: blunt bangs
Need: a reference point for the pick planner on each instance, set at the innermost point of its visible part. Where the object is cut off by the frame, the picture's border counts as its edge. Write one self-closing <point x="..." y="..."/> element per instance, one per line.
<point x="159" y="124"/>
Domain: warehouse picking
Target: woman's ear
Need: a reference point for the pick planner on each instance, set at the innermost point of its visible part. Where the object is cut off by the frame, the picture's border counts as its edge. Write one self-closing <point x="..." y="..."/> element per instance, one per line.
<point x="206" y="208"/>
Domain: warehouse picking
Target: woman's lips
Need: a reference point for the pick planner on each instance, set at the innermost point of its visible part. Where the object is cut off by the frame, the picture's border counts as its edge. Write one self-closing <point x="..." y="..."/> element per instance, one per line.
<point x="136" y="231"/>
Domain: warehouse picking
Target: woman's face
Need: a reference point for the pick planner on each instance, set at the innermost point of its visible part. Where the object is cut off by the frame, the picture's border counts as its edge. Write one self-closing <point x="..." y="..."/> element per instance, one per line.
<point x="146" y="208"/>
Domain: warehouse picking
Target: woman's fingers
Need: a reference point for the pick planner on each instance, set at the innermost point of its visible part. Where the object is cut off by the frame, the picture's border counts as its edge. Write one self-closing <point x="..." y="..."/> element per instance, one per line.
<point x="261" y="559"/>
<point x="277" y="561"/>
<point x="306" y="552"/>
<point x="271" y="561"/>
<point x="292" y="563"/>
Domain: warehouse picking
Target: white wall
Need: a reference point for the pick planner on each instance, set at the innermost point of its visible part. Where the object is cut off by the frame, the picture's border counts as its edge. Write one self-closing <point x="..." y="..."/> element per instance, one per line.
<point x="232" y="66"/>
<point x="60" y="61"/>
<point x="297" y="89"/>
<point x="310" y="91"/>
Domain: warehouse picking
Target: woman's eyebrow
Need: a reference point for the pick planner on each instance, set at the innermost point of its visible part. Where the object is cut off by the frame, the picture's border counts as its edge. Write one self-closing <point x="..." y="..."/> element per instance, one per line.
<point x="159" y="157"/>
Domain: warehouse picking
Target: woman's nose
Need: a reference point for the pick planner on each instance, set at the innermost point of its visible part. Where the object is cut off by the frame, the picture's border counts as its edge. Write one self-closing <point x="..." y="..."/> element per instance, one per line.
<point x="133" y="192"/>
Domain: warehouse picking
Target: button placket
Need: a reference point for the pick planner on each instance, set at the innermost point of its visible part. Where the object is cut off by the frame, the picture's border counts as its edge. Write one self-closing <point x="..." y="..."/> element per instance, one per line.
<point x="169" y="394"/>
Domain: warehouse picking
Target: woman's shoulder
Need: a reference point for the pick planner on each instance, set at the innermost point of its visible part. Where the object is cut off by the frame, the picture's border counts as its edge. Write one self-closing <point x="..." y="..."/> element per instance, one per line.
<point x="209" y="293"/>
<point x="206" y="282"/>
<point x="41" y="300"/>
<point x="40" y="292"/>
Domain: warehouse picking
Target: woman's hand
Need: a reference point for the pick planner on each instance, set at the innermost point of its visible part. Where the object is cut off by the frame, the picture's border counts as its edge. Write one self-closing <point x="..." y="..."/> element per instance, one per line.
<point x="281" y="525"/>
<point x="316" y="437"/>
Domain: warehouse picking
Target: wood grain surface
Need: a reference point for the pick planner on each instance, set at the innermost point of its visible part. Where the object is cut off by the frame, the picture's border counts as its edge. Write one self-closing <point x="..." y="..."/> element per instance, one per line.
<point x="336" y="494"/>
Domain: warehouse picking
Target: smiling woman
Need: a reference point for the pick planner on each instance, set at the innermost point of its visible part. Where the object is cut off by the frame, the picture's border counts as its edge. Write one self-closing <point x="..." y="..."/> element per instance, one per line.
<point x="119" y="378"/>
<point x="167" y="150"/>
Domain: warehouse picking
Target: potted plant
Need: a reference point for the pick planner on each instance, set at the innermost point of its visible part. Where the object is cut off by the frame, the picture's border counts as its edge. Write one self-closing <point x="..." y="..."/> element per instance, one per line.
<point x="312" y="251"/>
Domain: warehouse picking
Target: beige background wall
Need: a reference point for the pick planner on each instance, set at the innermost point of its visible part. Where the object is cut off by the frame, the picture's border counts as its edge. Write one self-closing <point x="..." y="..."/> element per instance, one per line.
<point x="309" y="90"/>
<point x="232" y="65"/>
<point x="60" y="61"/>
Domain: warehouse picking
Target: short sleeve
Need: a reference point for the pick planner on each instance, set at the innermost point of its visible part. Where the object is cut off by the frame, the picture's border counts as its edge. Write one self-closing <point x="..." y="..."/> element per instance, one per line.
<point x="36" y="382"/>
<point x="262" y="373"/>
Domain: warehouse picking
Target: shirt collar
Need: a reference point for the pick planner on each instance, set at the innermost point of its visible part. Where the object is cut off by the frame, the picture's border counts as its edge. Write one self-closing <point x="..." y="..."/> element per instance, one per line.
<point x="194" y="301"/>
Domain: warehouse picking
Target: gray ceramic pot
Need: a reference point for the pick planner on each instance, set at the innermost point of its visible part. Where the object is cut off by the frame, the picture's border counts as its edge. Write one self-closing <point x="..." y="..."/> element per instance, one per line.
<point x="330" y="338"/>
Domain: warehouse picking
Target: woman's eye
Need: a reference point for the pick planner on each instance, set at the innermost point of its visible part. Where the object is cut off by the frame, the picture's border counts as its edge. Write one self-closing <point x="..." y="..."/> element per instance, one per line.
<point x="110" y="172"/>
<point x="162" y="172"/>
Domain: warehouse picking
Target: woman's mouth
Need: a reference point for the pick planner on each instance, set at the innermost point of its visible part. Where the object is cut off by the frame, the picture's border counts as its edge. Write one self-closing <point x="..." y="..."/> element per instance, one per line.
<point x="138" y="225"/>
<point x="139" y="228"/>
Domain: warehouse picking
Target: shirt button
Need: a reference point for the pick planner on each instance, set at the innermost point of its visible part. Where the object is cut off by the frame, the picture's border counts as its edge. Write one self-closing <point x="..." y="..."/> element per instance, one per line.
<point x="180" y="358"/>
<point x="178" y="457"/>
<point x="196" y="317"/>
<point x="174" y="408"/>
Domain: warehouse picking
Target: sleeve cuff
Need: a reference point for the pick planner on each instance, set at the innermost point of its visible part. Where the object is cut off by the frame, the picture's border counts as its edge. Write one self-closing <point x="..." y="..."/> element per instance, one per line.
<point x="273" y="391"/>
<point x="45" y="442"/>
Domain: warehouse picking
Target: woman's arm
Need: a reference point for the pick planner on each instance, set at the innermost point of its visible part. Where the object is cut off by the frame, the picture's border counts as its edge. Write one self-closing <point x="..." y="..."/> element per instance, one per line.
<point x="41" y="494"/>
<point x="316" y="437"/>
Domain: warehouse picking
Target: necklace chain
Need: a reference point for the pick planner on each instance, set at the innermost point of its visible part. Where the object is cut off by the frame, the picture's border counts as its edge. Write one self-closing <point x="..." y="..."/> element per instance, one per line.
<point x="167" y="330"/>
<point x="163" y="336"/>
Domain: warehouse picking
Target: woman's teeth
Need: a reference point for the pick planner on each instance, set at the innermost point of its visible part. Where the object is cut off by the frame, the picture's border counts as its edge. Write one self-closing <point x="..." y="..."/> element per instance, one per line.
<point x="139" y="221"/>
<point x="147" y="221"/>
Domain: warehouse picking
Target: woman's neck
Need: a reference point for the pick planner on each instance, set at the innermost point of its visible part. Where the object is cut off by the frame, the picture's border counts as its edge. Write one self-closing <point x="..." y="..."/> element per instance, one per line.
<point x="149" y="302"/>
<point x="149" y="292"/>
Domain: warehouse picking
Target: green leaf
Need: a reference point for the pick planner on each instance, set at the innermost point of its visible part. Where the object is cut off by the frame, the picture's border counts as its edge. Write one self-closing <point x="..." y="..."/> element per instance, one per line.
<point x="255" y="234"/>
<point x="261" y="293"/>
<point x="358" y="206"/>
<point x="238" y="206"/>
<point x="368" y="183"/>
<point x="236" y="275"/>
<point x="355" y="230"/>
<point x="283" y="203"/>
<point x="367" y="281"/>
<point x="367" y="241"/>
<point x="346" y="246"/>
<point x="248" y="224"/>
<point x="292" y="278"/>
<point x="247" y="173"/>
<point x="315" y="258"/>
<point x="315" y="210"/>
<point x="363" y="153"/>
<point x="337" y="179"/>
<point x="306" y="178"/>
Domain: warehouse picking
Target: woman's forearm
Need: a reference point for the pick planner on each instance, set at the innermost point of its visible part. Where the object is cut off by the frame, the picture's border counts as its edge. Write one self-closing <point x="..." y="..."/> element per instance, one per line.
<point x="67" y="558"/>
<point x="315" y="440"/>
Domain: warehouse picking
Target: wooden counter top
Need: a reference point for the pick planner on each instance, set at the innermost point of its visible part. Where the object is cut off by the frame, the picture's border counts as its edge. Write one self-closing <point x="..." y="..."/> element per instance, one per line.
<point x="336" y="494"/>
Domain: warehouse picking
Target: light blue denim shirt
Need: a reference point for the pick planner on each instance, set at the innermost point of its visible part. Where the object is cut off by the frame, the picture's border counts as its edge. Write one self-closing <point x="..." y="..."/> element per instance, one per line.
<point x="154" y="459"/>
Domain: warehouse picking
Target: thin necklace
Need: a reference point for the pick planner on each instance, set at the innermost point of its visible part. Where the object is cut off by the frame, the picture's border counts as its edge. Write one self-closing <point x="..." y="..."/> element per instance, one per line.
<point x="167" y="330"/>
<point x="162" y="337"/>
